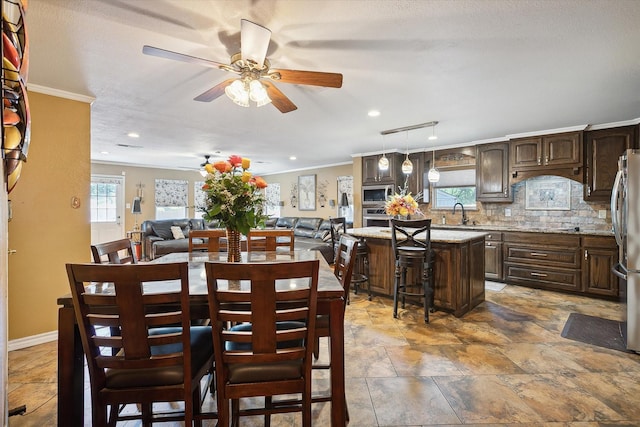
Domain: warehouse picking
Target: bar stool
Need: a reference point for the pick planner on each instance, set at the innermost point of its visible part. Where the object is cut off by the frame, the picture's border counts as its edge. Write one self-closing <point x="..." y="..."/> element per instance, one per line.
<point x="361" y="270"/>
<point x="411" y="243"/>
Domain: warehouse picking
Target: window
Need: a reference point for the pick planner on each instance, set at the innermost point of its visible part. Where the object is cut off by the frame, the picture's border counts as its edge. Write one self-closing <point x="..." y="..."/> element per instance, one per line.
<point x="199" y="198"/>
<point x="104" y="199"/>
<point x="171" y="198"/>
<point x="456" y="186"/>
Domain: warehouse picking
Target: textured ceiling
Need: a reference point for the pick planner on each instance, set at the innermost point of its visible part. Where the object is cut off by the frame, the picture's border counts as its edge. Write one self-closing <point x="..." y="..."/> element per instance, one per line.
<point x="483" y="69"/>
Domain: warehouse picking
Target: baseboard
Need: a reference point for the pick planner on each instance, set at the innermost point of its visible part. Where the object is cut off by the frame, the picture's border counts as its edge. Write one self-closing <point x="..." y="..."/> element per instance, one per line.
<point x="25" y="342"/>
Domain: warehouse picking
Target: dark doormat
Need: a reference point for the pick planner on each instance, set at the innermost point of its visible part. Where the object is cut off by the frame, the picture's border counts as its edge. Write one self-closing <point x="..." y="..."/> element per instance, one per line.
<point x="595" y="331"/>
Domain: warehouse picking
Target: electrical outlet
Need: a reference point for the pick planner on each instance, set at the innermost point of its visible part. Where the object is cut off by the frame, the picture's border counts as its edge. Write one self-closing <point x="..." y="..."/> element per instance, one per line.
<point x="602" y="213"/>
<point x="507" y="212"/>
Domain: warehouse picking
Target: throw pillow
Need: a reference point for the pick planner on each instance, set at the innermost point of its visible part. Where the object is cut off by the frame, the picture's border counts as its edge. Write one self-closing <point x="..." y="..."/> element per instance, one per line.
<point x="162" y="230"/>
<point x="326" y="236"/>
<point x="177" y="232"/>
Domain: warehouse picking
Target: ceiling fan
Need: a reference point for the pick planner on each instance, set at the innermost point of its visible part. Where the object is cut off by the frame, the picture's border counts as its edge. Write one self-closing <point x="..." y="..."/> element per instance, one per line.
<point x="256" y="75"/>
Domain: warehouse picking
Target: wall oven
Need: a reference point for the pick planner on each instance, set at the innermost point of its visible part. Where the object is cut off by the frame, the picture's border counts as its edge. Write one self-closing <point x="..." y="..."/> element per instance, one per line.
<point x="376" y="195"/>
<point x="375" y="217"/>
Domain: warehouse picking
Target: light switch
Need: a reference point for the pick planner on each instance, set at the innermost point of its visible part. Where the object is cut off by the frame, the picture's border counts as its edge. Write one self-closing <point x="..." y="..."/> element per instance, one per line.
<point x="507" y="212"/>
<point x="127" y="205"/>
<point x="602" y="213"/>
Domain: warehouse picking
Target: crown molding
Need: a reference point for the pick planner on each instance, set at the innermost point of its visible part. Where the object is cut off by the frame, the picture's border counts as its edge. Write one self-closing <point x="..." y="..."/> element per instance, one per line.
<point x="61" y="93"/>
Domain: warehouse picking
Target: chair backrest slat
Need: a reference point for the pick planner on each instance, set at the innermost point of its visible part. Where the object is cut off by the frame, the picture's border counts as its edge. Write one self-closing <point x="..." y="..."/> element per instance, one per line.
<point x="117" y="252"/>
<point x="270" y="240"/>
<point x="415" y="233"/>
<point x="207" y="240"/>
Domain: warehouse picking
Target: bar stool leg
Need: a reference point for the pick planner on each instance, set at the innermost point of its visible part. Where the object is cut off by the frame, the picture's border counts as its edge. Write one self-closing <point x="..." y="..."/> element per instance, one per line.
<point x="396" y="290"/>
<point x="366" y="273"/>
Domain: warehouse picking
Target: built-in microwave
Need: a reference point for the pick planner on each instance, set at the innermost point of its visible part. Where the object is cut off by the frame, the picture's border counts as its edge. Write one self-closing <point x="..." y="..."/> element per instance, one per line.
<point x="375" y="195"/>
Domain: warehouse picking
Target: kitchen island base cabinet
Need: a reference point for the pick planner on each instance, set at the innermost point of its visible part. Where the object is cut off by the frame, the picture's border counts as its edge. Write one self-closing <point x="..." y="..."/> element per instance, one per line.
<point x="458" y="270"/>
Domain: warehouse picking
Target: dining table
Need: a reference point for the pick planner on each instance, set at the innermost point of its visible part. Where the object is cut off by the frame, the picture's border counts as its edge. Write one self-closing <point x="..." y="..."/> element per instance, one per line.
<point x="71" y="366"/>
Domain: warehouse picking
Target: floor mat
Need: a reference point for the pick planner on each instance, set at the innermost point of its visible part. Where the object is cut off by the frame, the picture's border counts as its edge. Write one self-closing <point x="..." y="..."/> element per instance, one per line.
<point x="595" y="331"/>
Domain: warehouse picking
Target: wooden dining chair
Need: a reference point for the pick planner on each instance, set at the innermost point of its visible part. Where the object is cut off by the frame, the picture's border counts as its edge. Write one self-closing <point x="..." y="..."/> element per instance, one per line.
<point x="343" y="269"/>
<point x="269" y="350"/>
<point x="157" y="361"/>
<point x="270" y="240"/>
<point x="117" y="252"/>
<point x="207" y="240"/>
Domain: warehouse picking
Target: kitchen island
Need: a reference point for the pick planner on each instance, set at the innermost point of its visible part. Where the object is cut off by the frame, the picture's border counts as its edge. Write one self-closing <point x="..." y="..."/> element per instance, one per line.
<point x="458" y="270"/>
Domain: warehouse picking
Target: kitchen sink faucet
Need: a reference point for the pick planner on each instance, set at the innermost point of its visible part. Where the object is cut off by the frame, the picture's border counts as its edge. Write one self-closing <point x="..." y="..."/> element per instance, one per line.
<point x="464" y="216"/>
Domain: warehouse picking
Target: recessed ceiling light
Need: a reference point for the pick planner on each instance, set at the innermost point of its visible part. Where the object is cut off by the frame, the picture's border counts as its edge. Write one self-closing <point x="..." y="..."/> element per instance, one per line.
<point x="292" y="157"/>
<point x="133" y="135"/>
<point x="373" y="113"/>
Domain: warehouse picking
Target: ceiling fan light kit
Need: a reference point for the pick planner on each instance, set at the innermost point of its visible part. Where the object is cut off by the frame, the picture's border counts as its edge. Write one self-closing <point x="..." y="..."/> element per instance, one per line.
<point x="256" y="76"/>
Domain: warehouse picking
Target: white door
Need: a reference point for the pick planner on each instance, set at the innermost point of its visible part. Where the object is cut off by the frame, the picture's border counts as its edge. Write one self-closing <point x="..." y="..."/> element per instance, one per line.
<point x="107" y="208"/>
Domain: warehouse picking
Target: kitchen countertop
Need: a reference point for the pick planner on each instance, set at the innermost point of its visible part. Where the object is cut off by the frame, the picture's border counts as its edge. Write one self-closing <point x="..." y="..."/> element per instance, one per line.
<point x="437" y="236"/>
<point x="477" y="227"/>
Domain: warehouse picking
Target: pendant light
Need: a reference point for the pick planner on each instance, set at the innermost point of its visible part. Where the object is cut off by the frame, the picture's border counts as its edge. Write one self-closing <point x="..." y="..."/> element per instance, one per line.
<point x="407" y="166"/>
<point x="434" y="174"/>
<point x="383" y="163"/>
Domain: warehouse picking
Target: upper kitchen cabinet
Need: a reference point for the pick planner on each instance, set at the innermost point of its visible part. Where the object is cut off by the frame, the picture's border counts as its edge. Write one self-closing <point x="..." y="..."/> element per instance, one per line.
<point x="492" y="173"/>
<point x="559" y="154"/>
<point x="371" y="174"/>
<point x="602" y="148"/>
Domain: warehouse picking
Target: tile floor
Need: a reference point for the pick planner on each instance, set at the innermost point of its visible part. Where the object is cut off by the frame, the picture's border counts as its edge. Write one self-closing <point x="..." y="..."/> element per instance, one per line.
<point x="503" y="364"/>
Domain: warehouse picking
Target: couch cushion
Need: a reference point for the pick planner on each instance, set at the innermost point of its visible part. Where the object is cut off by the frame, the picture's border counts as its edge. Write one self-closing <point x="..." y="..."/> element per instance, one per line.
<point x="286" y="222"/>
<point x="325" y="225"/>
<point x="307" y="227"/>
<point x="162" y="229"/>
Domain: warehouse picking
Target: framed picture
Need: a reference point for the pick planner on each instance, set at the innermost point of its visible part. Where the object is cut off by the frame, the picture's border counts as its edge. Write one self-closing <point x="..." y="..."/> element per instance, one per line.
<point x="548" y="194"/>
<point x="307" y="192"/>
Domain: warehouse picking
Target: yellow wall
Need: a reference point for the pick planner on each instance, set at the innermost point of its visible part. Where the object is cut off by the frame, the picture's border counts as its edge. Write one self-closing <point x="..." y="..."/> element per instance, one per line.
<point x="146" y="176"/>
<point x="328" y="175"/>
<point x="46" y="231"/>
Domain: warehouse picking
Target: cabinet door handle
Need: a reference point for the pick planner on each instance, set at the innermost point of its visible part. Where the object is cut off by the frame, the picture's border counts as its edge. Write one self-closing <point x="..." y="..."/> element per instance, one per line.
<point x="588" y="190"/>
<point x="539" y="254"/>
<point x="586" y="254"/>
<point x="488" y="243"/>
<point x="539" y="161"/>
<point x="538" y="274"/>
<point x="546" y="160"/>
<point x="506" y="192"/>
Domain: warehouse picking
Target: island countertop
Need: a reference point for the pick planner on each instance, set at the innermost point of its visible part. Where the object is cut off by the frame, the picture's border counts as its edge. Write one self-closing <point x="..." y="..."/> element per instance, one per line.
<point x="437" y="236"/>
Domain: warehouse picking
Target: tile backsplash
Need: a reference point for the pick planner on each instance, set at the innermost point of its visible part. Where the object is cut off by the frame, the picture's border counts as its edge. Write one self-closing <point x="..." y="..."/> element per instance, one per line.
<point x="560" y="204"/>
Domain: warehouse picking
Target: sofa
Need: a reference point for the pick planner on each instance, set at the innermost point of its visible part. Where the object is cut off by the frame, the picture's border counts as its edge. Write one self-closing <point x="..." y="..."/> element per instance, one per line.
<point x="310" y="234"/>
<point x="158" y="239"/>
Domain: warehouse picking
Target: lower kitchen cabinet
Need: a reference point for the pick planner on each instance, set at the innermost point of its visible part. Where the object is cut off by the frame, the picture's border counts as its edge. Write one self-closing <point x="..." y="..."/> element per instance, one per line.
<point x="543" y="260"/>
<point x="561" y="262"/>
<point x="493" y="256"/>
<point x="600" y="253"/>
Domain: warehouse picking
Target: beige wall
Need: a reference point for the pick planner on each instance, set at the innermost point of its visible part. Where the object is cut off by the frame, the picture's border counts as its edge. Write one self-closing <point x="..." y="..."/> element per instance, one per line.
<point x="46" y="231"/>
<point x="146" y="176"/>
<point x="328" y="175"/>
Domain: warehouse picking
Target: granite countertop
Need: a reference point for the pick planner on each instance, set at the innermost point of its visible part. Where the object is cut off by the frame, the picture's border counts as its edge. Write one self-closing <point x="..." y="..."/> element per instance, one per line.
<point x="437" y="236"/>
<point x="576" y="230"/>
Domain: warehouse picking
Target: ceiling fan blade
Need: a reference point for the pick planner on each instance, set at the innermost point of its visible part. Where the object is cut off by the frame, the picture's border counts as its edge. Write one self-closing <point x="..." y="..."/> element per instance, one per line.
<point x="214" y="92"/>
<point x="279" y="99"/>
<point x="167" y="54"/>
<point x="314" y="78"/>
<point x="254" y="41"/>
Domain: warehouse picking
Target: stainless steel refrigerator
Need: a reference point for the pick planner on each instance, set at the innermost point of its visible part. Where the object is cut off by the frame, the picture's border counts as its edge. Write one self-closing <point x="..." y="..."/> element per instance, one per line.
<point x="625" y="218"/>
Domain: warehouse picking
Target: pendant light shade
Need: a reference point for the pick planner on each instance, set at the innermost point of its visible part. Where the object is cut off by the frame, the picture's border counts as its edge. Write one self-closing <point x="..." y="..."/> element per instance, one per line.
<point x="434" y="174"/>
<point x="383" y="163"/>
<point x="407" y="166"/>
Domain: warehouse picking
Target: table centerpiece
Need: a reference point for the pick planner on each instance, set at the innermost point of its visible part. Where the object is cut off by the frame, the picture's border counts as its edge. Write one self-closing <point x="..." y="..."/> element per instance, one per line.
<point x="234" y="199"/>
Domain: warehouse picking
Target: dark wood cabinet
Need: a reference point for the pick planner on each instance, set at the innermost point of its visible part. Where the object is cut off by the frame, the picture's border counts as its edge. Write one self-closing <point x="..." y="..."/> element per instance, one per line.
<point x="492" y="173"/>
<point x="493" y="256"/>
<point x="558" y="154"/>
<point x="603" y="147"/>
<point x="371" y="174"/>
<point x="600" y="253"/>
<point x="543" y="260"/>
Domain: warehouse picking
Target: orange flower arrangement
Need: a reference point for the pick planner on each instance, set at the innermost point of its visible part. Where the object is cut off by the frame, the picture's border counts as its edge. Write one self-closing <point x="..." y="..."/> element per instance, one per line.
<point x="233" y="194"/>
